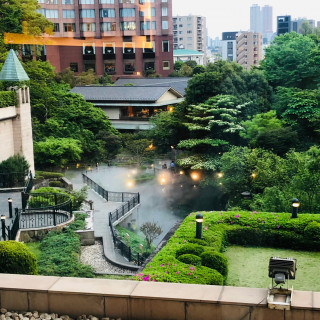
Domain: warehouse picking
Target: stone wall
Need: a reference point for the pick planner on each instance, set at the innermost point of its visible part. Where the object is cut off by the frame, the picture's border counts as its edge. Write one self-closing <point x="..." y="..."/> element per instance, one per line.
<point x="135" y="300"/>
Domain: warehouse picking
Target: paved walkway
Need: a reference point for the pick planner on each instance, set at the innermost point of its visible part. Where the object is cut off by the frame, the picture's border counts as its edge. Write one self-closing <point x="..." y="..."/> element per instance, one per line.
<point x="101" y="209"/>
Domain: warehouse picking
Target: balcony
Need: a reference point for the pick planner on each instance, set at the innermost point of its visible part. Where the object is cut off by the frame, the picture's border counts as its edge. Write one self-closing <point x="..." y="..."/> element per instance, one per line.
<point x="130" y="55"/>
<point x="109" y="56"/>
<point x="90" y="56"/>
<point x="149" y="55"/>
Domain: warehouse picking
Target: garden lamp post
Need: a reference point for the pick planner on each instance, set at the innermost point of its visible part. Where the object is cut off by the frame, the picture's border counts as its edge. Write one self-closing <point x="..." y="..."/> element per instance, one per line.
<point x="3" y="226"/>
<point x="10" y="207"/>
<point x="295" y="206"/>
<point x="199" y="220"/>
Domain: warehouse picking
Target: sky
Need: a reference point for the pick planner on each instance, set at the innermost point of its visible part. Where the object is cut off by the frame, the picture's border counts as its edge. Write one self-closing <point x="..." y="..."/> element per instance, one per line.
<point x="234" y="15"/>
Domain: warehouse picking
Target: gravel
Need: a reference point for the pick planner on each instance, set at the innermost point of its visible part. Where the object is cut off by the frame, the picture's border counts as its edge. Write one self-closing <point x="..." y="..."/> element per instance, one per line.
<point x="93" y="256"/>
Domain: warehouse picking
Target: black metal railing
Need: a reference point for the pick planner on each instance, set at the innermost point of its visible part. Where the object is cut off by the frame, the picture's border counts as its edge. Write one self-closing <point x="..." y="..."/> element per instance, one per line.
<point x="130" y="201"/>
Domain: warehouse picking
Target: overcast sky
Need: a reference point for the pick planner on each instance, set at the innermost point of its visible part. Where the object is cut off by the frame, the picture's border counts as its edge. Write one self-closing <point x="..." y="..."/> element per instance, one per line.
<point x="234" y="15"/>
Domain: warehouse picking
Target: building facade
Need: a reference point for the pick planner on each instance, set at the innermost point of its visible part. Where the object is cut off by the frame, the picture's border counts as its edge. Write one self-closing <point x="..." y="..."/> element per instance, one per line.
<point x="188" y="55"/>
<point x="249" y="49"/>
<point x="261" y="21"/>
<point x="229" y="46"/>
<point x="284" y="24"/>
<point x="117" y="37"/>
<point x="190" y="33"/>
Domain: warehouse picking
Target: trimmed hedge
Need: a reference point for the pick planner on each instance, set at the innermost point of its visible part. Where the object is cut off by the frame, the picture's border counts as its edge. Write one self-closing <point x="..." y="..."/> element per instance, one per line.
<point x="223" y="228"/>
<point x="15" y="257"/>
<point x="190" y="259"/>
<point x="49" y="175"/>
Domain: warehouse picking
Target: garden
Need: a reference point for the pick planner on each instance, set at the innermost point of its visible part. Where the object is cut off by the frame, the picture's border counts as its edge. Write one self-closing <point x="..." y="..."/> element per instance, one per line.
<point x="186" y="259"/>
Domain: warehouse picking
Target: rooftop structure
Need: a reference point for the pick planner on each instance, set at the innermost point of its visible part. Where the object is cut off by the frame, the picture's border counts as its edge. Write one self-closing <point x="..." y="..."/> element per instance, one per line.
<point x="12" y="69"/>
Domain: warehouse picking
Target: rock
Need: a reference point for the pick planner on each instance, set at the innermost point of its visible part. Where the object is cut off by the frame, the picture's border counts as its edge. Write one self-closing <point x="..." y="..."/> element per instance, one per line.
<point x="2" y="317"/>
<point x="65" y="317"/>
<point x="3" y="310"/>
<point x="8" y="314"/>
<point x="28" y="314"/>
<point x="105" y="318"/>
<point x="94" y="318"/>
<point x="25" y="318"/>
<point x="53" y="315"/>
<point x="36" y="314"/>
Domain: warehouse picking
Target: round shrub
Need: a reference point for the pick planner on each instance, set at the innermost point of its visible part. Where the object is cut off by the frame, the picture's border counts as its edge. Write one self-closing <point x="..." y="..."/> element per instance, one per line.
<point x="215" y="260"/>
<point x="190" y="248"/>
<point x="215" y="278"/>
<point x="190" y="259"/>
<point x="15" y="257"/>
<point x="201" y="242"/>
<point x="312" y="231"/>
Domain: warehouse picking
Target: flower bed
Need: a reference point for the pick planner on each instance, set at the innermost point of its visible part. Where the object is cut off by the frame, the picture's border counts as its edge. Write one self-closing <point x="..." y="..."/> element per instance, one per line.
<point x="220" y="229"/>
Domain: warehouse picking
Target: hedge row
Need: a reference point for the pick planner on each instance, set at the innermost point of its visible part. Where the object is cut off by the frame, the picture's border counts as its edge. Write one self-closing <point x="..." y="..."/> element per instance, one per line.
<point x="185" y="259"/>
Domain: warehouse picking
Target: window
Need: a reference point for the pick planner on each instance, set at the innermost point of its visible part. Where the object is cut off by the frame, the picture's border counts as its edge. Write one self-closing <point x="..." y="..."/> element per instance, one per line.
<point x="127" y="12"/>
<point x="67" y="1"/>
<point x="148" y="12"/>
<point x="48" y="1"/>
<point x="189" y="31"/>
<point x="106" y="1"/>
<point x="128" y="47"/>
<point x="86" y="1"/>
<point x="68" y="14"/>
<point x="149" y="46"/>
<point x="189" y="25"/>
<point x="90" y="66"/>
<point x="164" y="0"/>
<point x="148" y="25"/>
<point x="165" y="46"/>
<point x="127" y="25"/>
<point x="109" y="68"/>
<point x="107" y="13"/>
<point x="166" y="65"/>
<point x="126" y="1"/>
<point x="180" y="39"/>
<point x="180" y="25"/>
<point x="180" y="32"/>
<point x="165" y="24"/>
<point x="87" y="27"/>
<point x="164" y="11"/>
<point x="144" y="1"/>
<point x="189" y="38"/>
<point x="69" y="27"/>
<point x="88" y="48"/>
<point x="149" y="66"/>
<point x="87" y="13"/>
<point x="129" y="67"/>
<point x="74" y="66"/>
<point x="108" y="26"/>
<point x="52" y="14"/>
<point x="56" y="27"/>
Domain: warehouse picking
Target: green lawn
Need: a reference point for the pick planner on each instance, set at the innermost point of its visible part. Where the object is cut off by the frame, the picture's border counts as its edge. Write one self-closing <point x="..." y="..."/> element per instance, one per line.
<point x="248" y="267"/>
<point x="35" y="248"/>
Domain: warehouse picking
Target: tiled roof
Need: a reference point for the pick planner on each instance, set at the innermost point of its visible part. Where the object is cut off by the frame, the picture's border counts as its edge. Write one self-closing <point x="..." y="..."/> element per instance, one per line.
<point x="122" y="93"/>
<point x="12" y="69"/>
<point x="178" y="84"/>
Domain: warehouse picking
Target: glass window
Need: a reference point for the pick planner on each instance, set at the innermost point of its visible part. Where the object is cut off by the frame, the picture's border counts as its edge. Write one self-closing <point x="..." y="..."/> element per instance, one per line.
<point x="88" y="49"/>
<point x="127" y="25"/>
<point x="164" y="0"/>
<point x="149" y="66"/>
<point x="107" y="13"/>
<point x="68" y="14"/>
<point x="86" y="1"/>
<point x="165" y="24"/>
<point x="48" y="1"/>
<point x="109" y="48"/>
<point x="146" y="1"/>
<point x="87" y="13"/>
<point x="126" y="1"/>
<point x="148" y="12"/>
<point x="128" y="47"/>
<point x="147" y="25"/>
<point x="108" y="26"/>
<point x="67" y="1"/>
<point x="109" y="67"/>
<point x="106" y="1"/>
<point x="165" y="46"/>
<point x="166" y="65"/>
<point x="164" y="11"/>
<point x="87" y="27"/>
<point x="56" y="27"/>
<point x="129" y="67"/>
<point x="127" y="12"/>
<point x="69" y="27"/>
<point x="74" y="66"/>
<point x="50" y="14"/>
<point x="90" y="66"/>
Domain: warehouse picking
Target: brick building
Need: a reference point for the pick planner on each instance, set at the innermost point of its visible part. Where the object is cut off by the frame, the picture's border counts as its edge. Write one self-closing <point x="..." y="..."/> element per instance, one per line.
<point x="120" y="37"/>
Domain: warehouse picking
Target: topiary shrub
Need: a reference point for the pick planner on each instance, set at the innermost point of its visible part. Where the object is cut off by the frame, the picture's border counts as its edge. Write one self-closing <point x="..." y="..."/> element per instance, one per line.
<point x="15" y="257"/>
<point x="49" y="175"/>
<point x="56" y="184"/>
<point x="312" y="231"/>
<point x="190" y="259"/>
<point x="201" y="242"/>
<point x="215" y="278"/>
<point x="215" y="260"/>
<point x="190" y="248"/>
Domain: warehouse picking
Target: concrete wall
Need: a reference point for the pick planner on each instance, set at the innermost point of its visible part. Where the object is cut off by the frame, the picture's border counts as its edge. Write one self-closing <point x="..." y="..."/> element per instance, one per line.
<point x="6" y="132"/>
<point x="147" y="300"/>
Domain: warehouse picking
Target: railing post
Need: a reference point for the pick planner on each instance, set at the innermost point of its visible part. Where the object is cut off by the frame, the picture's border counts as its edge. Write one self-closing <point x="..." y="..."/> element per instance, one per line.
<point x="54" y="217"/>
<point x="123" y="210"/>
<point x="107" y="196"/>
<point x="129" y="254"/>
<point x="138" y="197"/>
<point x="122" y="197"/>
<point x="117" y="214"/>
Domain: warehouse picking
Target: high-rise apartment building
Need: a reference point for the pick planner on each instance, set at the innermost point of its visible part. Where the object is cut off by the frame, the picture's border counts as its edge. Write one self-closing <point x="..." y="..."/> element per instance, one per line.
<point x="249" y="49"/>
<point x="261" y="21"/>
<point x="229" y="46"/>
<point x="190" y="32"/>
<point x="122" y="37"/>
<point x="284" y="24"/>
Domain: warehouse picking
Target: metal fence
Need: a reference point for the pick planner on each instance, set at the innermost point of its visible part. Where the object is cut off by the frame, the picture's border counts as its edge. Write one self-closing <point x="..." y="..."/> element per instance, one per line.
<point x="130" y="200"/>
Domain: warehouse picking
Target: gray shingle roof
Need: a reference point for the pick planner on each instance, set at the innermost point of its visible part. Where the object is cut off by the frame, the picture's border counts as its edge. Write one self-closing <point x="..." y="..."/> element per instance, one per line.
<point x="179" y="84"/>
<point x="12" y="69"/>
<point x="122" y="93"/>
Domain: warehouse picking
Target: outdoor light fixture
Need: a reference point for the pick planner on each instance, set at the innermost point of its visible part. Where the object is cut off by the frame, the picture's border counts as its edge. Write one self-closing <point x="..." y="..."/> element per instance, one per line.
<point x="220" y="174"/>
<point x="254" y="175"/>
<point x="10" y="207"/>
<point x="130" y="183"/>
<point x="3" y="226"/>
<point x="199" y="220"/>
<point x="295" y="206"/>
<point x="194" y="176"/>
<point x="181" y="172"/>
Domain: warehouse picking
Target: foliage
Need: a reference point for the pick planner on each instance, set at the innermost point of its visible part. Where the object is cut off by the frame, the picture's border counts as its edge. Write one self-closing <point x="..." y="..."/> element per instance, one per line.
<point x="57" y="151"/>
<point x="86" y="78"/>
<point x="312" y="231"/>
<point x="106" y="79"/>
<point x="60" y="253"/>
<point x="292" y="60"/>
<point x="14" y="164"/>
<point x="110" y="143"/>
<point x="151" y="230"/>
<point x="138" y="148"/>
<point x="15" y="257"/>
<point x="220" y="228"/>
<point x="78" y="197"/>
<point x="215" y="260"/>
<point x="49" y="175"/>
<point x="8" y="99"/>
<point x="190" y="248"/>
<point x="190" y="259"/>
<point x="56" y="184"/>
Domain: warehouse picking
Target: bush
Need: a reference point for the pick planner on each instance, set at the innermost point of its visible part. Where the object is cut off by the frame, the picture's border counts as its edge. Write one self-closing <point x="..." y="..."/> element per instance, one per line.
<point x="8" y="99"/>
<point x="49" y="175"/>
<point x="216" y="261"/>
<point x="312" y="231"/>
<point x="190" y="248"/>
<point x="56" y="184"/>
<point x="15" y="257"/>
<point x="190" y="259"/>
<point x="201" y="242"/>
